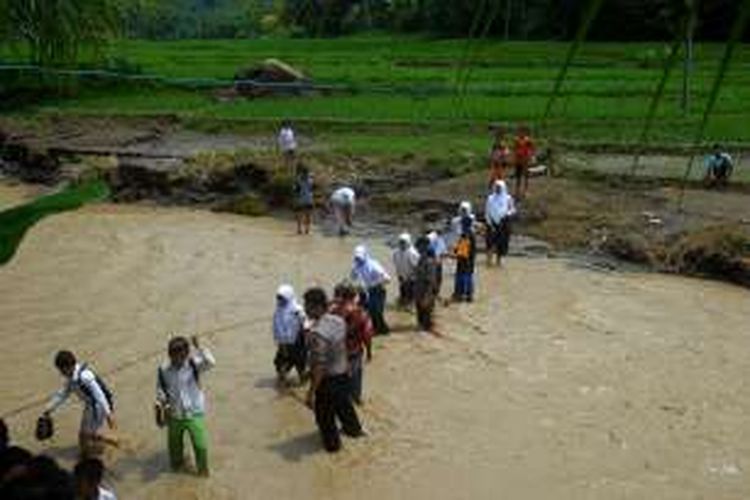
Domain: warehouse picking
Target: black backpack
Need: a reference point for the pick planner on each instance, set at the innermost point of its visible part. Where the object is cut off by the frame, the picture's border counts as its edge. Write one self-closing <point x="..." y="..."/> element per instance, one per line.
<point x="87" y="392"/>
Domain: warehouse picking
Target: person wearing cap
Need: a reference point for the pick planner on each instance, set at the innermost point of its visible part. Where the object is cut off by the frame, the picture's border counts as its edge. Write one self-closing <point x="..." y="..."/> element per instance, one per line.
<point x="329" y="394"/>
<point x="405" y="259"/>
<point x="359" y="332"/>
<point x="288" y="326"/>
<point x="342" y="202"/>
<point x="370" y="274"/>
<point x="499" y="208"/>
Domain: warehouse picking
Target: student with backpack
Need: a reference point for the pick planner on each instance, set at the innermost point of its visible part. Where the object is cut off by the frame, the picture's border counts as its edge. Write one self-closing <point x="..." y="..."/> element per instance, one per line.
<point x="180" y="402"/>
<point x="465" y="253"/>
<point x="98" y="402"/>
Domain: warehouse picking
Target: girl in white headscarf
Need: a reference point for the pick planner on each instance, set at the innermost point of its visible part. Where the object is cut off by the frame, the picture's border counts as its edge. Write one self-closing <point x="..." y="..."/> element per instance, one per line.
<point x="288" y="333"/>
<point x="370" y="274"/>
<point x="499" y="208"/>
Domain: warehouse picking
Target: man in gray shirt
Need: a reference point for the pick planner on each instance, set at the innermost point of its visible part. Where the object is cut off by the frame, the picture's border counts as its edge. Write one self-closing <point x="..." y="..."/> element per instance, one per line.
<point x="329" y="394"/>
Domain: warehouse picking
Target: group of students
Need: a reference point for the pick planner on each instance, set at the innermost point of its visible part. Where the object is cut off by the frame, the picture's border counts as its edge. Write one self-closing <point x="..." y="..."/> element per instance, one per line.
<point x="28" y="477"/>
<point x="517" y="153"/>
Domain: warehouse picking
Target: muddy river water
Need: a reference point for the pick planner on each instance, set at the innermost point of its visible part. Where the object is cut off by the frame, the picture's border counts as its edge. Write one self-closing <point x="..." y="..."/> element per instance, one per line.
<point x="559" y="382"/>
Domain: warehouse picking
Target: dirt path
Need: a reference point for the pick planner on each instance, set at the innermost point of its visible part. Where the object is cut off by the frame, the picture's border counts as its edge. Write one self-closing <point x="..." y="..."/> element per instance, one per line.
<point x="559" y="382"/>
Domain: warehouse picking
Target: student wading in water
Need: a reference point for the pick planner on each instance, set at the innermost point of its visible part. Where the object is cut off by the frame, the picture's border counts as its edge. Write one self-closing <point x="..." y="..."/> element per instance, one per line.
<point x="288" y="332"/>
<point x="370" y="274"/>
<point x="96" y="397"/>
<point x="180" y="401"/>
<point x="330" y="388"/>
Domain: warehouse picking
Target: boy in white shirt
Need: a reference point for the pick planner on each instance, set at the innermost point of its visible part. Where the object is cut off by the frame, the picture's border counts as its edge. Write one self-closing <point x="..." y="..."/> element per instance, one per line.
<point x="179" y="395"/>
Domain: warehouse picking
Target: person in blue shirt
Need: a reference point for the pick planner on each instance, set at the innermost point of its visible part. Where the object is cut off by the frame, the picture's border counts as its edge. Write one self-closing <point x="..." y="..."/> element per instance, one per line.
<point x="719" y="167"/>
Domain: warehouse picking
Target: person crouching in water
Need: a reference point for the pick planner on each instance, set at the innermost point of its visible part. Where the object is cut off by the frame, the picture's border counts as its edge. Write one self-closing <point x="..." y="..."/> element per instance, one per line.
<point x="498" y="211"/>
<point x="405" y="259"/>
<point x="181" y="402"/>
<point x="369" y="273"/>
<point x="96" y="397"/>
<point x="343" y="202"/>
<point x="288" y="327"/>
<point x="465" y="251"/>
<point x="358" y="333"/>
<point x="425" y="284"/>
<point x="330" y="387"/>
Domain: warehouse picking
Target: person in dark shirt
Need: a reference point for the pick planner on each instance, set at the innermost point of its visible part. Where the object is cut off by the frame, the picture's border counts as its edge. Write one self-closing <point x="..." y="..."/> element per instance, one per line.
<point x="425" y="284"/>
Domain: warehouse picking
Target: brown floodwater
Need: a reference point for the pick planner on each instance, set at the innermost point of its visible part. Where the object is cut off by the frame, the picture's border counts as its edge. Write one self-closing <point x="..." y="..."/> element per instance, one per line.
<point x="561" y="381"/>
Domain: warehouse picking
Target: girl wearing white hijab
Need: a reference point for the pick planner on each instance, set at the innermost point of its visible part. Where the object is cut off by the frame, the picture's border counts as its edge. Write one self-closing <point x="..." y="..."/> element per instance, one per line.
<point x="498" y="211"/>
<point x="370" y="274"/>
<point x="288" y="333"/>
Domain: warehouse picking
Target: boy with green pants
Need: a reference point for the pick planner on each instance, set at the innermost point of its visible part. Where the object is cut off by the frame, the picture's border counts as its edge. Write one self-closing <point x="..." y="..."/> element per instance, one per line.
<point x="181" y="402"/>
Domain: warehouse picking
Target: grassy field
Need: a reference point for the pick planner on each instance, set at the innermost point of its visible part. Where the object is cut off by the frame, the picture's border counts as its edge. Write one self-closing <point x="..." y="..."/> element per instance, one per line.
<point x="411" y="82"/>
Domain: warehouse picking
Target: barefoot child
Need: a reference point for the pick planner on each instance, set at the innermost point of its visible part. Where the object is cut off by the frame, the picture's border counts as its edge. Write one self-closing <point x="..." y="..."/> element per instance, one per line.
<point x="523" y="155"/>
<point x="405" y="259"/>
<point x="179" y="394"/>
<point x="425" y="284"/>
<point x="288" y="326"/>
<point x="303" y="186"/>
<point x="96" y="397"/>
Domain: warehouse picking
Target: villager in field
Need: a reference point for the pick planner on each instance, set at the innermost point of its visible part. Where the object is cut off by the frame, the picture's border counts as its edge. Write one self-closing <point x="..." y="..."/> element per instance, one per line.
<point x="330" y="385"/>
<point x="181" y="402"/>
<point x="372" y="277"/>
<point x="499" y="209"/>
<point x="719" y="167"/>
<point x="288" y="333"/>
<point x="465" y="252"/>
<point x="523" y="155"/>
<point x="303" y="187"/>
<point x="287" y="144"/>
<point x="359" y="333"/>
<point x="405" y="259"/>
<point x="343" y="202"/>
<point x="88" y="476"/>
<point x="439" y="250"/>
<point x="425" y="285"/>
<point x="96" y="397"/>
<point x="500" y="156"/>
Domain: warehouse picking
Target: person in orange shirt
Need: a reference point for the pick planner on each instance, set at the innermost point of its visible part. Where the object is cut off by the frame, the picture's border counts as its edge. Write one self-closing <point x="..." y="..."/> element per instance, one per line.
<point x="500" y="157"/>
<point x="523" y="152"/>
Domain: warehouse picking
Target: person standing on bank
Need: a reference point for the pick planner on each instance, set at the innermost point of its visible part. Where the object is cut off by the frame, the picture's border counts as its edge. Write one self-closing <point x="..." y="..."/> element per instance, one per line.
<point x="370" y="274"/>
<point x="330" y="387"/>
<point x="180" y="401"/>
<point x="405" y="259"/>
<point x="287" y="143"/>
<point x="498" y="211"/>
<point x="96" y="397"/>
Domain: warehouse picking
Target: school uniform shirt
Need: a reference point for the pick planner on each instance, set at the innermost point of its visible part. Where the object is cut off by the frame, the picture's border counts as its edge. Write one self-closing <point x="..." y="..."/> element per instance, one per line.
<point x="105" y="494"/>
<point x="438" y="247"/>
<point x="287" y="141"/>
<point x="498" y="207"/>
<point x="84" y="385"/>
<point x="369" y="273"/>
<point x="288" y="322"/>
<point x="344" y="196"/>
<point x="405" y="262"/>
<point x="328" y="345"/>
<point x="183" y="393"/>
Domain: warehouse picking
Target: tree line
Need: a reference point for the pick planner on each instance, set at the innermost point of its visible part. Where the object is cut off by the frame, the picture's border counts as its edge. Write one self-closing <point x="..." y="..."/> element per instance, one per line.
<point x="54" y="30"/>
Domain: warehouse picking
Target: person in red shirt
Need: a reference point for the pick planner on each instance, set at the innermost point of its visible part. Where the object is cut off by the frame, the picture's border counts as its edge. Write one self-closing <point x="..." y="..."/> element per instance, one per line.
<point x="523" y="153"/>
<point x="359" y="332"/>
<point x="500" y="157"/>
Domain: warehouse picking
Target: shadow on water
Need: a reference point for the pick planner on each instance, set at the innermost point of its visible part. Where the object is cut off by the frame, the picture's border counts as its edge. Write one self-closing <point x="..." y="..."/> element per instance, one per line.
<point x="149" y="467"/>
<point x="297" y="448"/>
